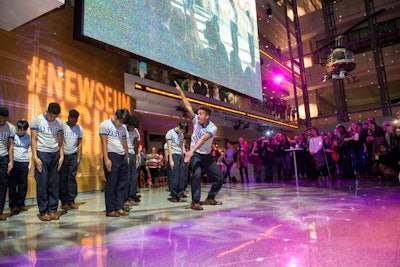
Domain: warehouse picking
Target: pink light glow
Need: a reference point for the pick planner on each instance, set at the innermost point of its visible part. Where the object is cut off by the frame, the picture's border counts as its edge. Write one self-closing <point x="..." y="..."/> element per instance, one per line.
<point x="278" y="79"/>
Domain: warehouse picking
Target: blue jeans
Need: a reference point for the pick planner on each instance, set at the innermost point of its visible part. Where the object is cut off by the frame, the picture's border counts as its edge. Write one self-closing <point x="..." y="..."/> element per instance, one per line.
<point x="18" y="184"/>
<point x="47" y="182"/>
<point x="358" y="158"/>
<point x="133" y="174"/>
<point x="68" y="186"/>
<point x="177" y="176"/>
<point x="286" y="161"/>
<point x="116" y="182"/>
<point x="3" y="181"/>
<point x="207" y="164"/>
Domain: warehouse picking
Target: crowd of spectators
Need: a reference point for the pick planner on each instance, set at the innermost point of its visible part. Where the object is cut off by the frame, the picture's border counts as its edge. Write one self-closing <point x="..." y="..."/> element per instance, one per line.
<point x="363" y="150"/>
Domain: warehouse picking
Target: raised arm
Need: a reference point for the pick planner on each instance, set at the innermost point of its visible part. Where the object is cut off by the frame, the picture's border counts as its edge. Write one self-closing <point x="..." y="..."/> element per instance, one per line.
<point x="186" y="103"/>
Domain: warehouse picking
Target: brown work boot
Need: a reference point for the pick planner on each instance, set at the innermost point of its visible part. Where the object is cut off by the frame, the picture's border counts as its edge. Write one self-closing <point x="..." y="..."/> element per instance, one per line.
<point x="44" y="217"/>
<point x="23" y="208"/>
<point x="127" y="203"/>
<point x="196" y="206"/>
<point x="65" y="207"/>
<point x="15" y="211"/>
<point x="112" y="214"/>
<point x="73" y="206"/>
<point x="122" y="212"/>
<point x="210" y="201"/>
<point x="54" y="216"/>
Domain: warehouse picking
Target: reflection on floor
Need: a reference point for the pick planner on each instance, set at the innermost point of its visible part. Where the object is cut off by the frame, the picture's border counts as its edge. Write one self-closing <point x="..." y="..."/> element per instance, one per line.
<point x="327" y="223"/>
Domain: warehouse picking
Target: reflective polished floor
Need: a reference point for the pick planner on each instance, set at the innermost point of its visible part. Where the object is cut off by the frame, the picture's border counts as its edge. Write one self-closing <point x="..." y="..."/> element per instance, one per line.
<point x="327" y="223"/>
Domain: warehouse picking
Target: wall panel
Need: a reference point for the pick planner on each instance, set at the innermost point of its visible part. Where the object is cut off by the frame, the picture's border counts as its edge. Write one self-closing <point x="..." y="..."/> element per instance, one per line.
<point x="40" y="62"/>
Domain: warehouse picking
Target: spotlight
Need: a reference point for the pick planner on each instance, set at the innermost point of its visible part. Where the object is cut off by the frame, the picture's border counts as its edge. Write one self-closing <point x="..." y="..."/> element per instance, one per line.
<point x="268" y="132"/>
<point x="278" y="79"/>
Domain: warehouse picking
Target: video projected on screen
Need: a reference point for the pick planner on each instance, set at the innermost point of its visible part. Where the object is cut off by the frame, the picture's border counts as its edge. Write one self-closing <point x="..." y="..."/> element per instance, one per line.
<point x="215" y="40"/>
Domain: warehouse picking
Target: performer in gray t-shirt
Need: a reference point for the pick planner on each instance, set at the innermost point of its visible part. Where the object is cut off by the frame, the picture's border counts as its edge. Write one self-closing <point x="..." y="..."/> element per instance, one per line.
<point x="199" y="154"/>
<point x="18" y="185"/>
<point x="115" y="158"/>
<point x="177" y="176"/>
<point x="7" y="133"/>
<point x="133" y="139"/>
<point x="73" y="134"/>
<point x="48" y="156"/>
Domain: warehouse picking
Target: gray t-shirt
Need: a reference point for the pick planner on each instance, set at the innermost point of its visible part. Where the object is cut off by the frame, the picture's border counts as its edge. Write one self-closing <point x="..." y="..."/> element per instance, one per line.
<point x="114" y="136"/>
<point x="21" y="147"/>
<point x="7" y="132"/>
<point x="47" y="140"/>
<point x="199" y="131"/>
<point x="131" y="137"/>
<point x="71" y="137"/>
<point x="177" y="140"/>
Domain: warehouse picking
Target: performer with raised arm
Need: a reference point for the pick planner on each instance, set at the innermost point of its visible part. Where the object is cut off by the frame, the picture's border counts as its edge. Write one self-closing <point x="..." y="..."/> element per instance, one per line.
<point x="199" y="154"/>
